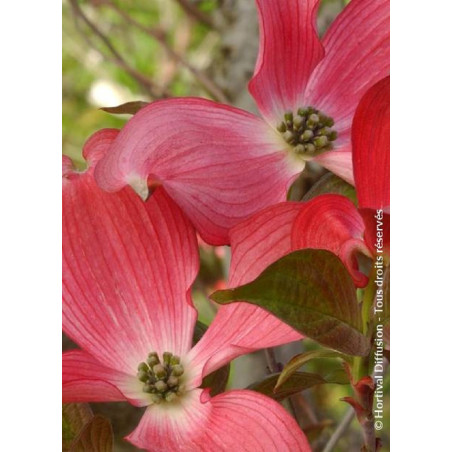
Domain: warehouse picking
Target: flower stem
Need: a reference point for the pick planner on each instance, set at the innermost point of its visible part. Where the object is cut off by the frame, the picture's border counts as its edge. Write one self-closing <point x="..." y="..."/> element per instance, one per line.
<point x="368" y="300"/>
<point x="369" y="435"/>
<point x="360" y="364"/>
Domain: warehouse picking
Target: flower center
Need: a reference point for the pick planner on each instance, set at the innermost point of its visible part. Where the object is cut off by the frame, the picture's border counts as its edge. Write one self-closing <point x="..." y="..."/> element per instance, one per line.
<point x="308" y="131"/>
<point x="161" y="378"/>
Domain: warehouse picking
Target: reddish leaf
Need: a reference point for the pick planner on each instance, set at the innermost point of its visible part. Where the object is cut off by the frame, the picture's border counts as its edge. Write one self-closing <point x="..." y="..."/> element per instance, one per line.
<point x="312" y="291"/>
<point x="96" y="436"/>
<point x="75" y="417"/>
<point x="129" y="108"/>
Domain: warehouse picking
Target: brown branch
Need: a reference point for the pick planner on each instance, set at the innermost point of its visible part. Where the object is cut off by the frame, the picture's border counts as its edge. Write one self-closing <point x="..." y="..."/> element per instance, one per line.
<point x="272" y="364"/>
<point x="193" y="11"/>
<point x="302" y="408"/>
<point x="160" y="36"/>
<point x="146" y="84"/>
<point x="340" y="430"/>
<point x="292" y="402"/>
<point x="370" y="441"/>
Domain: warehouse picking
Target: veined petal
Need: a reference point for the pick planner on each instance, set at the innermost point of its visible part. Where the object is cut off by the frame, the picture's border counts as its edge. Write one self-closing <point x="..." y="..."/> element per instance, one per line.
<point x="127" y="270"/>
<point x="332" y="222"/>
<point x="377" y="231"/>
<point x="261" y="240"/>
<point x="94" y="149"/>
<point x="356" y="57"/>
<point x="235" y="420"/>
<point x="265" y="424"/>
<point x="289" y="50"/>
<point x="241" y="328"/>
<point x="237" y="329"/>
<point x="370" y="138"/>
<point x="339" y="162"/>
<point x="87" y="380"/>
<point x="67" y="166"/>
<point x="98" y="145"/>
<point x="220" y="164"/>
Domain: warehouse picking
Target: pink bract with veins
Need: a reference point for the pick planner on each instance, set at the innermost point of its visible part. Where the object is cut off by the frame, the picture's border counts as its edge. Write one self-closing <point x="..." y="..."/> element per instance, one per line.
<point x="128" y="267"/>
<point x="222" y="164"/>
<point x="329" y="221"/>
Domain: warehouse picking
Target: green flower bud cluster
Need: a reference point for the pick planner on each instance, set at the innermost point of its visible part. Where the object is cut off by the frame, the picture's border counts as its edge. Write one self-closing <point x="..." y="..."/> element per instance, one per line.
<point x="161" y="378"/>
<point x="309" y="131"/>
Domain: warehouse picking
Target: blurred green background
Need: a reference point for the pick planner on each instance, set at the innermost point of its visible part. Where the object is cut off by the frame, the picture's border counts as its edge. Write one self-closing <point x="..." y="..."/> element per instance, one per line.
<point x="115" y="52"/>
<point x="121" y="51"/>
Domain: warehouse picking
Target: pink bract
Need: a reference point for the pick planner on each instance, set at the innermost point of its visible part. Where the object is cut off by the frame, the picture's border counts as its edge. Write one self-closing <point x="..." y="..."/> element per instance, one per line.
<point x="222" y="164"/>
<point x="128" y="267"/>
<point x="329" y="221"/>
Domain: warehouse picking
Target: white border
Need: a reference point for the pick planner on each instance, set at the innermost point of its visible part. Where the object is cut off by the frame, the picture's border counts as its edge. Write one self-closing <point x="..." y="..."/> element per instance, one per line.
<point x="421" y="224"/>
<point x="30" y="309"/>
<point x="30" y="187"/>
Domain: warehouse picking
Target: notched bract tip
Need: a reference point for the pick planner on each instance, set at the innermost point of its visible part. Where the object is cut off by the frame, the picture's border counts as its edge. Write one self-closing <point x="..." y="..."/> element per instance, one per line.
<point x="140" y="187"/>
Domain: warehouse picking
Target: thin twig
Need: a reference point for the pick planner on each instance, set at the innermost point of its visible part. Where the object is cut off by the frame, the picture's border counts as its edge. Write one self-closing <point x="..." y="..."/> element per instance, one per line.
<point x="274" y="367"/>
<point x="161" y="37"/>
<point x="150" y="88"/>
<point x="299" y="402"/>
<point x="340" y="430"/>
<point x="193" y="11"/>
<point x="271" y="360"/>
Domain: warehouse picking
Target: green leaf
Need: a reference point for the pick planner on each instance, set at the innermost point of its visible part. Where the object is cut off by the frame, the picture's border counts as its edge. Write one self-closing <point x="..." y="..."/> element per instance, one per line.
<point x="75" y="417"/>
<point x="297" y="382"/>
<point x="129" y="108"/>
<point x="96" y="436"/>
<point x="217" y="380"/>
<point x="200" y="329"/>
<point x="312" y="291"/>
<point x="299" y="360"/>
<point x="330" y="183"/>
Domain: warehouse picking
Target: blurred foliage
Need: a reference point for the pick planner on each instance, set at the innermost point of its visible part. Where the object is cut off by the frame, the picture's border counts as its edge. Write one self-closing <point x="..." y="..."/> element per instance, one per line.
<point x="92" y="77"/>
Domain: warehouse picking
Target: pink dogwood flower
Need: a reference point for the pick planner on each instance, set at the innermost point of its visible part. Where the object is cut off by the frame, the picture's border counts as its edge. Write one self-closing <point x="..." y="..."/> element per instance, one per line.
<point x="329" y="221"/>
<point x="222" y="164"/>
<point x="128" y="267"/>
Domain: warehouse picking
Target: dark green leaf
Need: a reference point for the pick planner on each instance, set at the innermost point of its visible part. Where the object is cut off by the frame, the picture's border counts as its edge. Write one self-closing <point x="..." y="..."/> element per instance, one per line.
<point x="200" y="329"/>
<point x="312" y="291"/>
<point x="96" y="436"/>
<point x="217" y="380"/>
<point x="299" y="360"/>
<point x="330" y="183"/>
<point x="297" y="382"/>
<point x="129" y="108"/>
